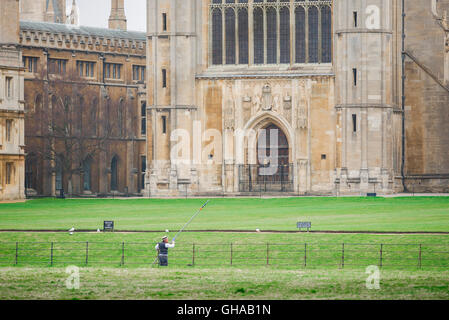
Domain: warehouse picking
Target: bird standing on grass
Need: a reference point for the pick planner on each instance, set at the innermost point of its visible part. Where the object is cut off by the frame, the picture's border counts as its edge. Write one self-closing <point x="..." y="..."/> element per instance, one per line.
<point x="162" y="249"/>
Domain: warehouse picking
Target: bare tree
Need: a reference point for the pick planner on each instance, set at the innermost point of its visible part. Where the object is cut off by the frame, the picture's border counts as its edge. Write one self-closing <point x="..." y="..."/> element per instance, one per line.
<point x="72" y="127"/>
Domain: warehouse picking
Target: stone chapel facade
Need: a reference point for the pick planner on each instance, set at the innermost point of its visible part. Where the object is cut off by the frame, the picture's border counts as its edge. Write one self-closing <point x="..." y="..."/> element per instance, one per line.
<point x="326" y="75"/>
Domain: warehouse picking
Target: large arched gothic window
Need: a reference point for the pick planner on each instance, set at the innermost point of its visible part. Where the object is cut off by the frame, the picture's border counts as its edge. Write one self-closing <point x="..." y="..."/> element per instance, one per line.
<point x="230" y="36"/>
<point x="217" y="37"/>
<point x="87" y="176"/>
<point x="262" y="32"/>
<point x="326" y="34"/>
<point x="121" y="119"/>
<point x="243" y="35"/>
<point x="258" y="16"/>
<point x="285" y="34"/>
<point x="271" y="35"/>
<point x="114" y="174"/>
<point x="313" y="34"/>
<point x="93" y="116"/>
<point x="300" y="33"/>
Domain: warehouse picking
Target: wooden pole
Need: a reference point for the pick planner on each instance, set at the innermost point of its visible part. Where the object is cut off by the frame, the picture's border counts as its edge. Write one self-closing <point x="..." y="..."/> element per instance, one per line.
<point x="87" y="252"/>
<point x="231" y="253"/>
<point x="343" y="256"/>
<point x="51" y="254"/>
<point x="380" y="255"/>
<point x="123" y="254"/>
<point x="305" y="254"/>
<point x="268" y="254"/>
<point x="420" y="256"/>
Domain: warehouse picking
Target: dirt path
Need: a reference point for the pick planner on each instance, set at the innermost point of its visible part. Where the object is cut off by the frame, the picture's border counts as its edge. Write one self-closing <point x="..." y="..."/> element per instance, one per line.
<point x="250" y="231"/>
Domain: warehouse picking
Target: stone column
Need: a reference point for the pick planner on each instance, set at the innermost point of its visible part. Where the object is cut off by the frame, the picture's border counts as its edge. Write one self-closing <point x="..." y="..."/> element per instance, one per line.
<point x="364" y="172"/>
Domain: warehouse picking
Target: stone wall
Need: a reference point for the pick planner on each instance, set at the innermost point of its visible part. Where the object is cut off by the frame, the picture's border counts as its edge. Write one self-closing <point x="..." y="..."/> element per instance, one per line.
<point x="427" y="98"/>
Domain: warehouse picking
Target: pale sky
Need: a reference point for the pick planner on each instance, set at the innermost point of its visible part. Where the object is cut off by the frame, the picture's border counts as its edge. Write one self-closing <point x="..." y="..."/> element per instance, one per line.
<point x="95" y="13"/>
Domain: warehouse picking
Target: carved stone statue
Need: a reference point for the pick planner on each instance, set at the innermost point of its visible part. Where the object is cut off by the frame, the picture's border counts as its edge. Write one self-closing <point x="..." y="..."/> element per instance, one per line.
<point x="287" y="105"/>
<point x="267" y="98"/>
<point x="229" y="119"/>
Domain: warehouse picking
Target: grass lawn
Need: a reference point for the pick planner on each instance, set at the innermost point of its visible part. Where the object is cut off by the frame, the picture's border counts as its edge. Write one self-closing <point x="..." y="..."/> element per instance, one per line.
<point x="227" y="265"/>
<point x="206" y="250"/>
<point x="220" y="283"/>
<point x="351" y="214"/>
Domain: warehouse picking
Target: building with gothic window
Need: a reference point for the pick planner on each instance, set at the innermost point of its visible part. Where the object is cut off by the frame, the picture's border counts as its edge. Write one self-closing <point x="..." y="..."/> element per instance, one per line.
<point x="82" y="99"/>
<point x="320" y="79"/>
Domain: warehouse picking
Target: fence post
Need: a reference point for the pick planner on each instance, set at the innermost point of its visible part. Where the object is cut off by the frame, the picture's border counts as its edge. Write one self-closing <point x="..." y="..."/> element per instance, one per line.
<point x="268" y="254"/>
<point x="343" y="256"/>
<point x="305" y="254"/>
<point x="51" y="255"/>
<point x="87" y="252"/>
<point x="123" y="254"/>
<point x="380" y="255"/>
<point x="231" y="253"/>
<point x="420" y="256"/>
<point x="17" y="252"/>
<point x="193" y="254"/>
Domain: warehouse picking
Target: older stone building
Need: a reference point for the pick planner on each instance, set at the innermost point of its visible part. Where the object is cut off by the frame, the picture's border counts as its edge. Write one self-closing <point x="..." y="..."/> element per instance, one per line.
<point x="230" y="97"/>
<point x="12" y="153"/>
<point x="85" y="101"/>
<point x="324" y="77"/>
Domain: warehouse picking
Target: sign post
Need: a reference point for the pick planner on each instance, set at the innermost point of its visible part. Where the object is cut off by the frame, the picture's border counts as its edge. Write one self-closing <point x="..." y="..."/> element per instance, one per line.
<point x="108" y="226"/>
<point x="304" y="225"/>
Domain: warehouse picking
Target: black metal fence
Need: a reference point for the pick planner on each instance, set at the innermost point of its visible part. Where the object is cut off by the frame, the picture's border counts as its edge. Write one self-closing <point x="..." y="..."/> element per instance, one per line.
<point x="252" y="179"/>
<point x="301" y="255"/>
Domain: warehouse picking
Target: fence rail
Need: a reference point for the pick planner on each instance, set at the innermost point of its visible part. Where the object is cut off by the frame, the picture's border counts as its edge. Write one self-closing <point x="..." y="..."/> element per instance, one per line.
<point x="340" y="255"/>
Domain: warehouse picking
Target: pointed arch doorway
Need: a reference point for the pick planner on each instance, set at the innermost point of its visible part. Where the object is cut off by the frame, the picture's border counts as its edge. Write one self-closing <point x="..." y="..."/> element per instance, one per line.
<point x="271" y="171"/>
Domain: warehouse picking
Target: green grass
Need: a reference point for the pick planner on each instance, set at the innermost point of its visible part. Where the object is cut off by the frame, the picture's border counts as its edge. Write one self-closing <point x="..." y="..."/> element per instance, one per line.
<point x="212" y="276"/>
<point x="206" y="250"/>
<point x="351" y="214"/>
<point x="220" y="283"/>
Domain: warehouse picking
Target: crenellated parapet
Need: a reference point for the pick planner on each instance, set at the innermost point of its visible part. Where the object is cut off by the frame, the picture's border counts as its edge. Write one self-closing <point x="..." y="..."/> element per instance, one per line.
<point x="67" y="37"/>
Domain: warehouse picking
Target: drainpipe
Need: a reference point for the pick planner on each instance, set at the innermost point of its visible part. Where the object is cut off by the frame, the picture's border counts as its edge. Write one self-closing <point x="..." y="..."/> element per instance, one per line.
<point x="403" y="99"/>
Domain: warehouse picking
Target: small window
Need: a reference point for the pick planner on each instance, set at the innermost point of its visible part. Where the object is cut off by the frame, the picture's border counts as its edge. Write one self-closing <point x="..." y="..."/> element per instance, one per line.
<point x="323" y="157"/>
<point x="355" y="19"/>
<point x="143" y="114"/>
<point x="164" y="22"/>
<point x="143" y="169"/>
<point x="9" y="123"/>
<point x="164" y="124"/>
<point x="112" y="71"/>
<point x="57" y="66"/>
<point x="9" y="172"/>
<point x="139" y="73"/>
<point x="30" y="64"/>
<point x="85" y="69"/>
<point x="8" y="87"/>
<point x="164" y="78"/>
<point x="354" y="123"/>
<point x="354" y="74"/>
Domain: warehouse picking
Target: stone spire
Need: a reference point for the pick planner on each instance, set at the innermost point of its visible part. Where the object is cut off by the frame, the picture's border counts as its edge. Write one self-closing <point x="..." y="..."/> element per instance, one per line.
<point x="50" y="13"/>
<point x="73" y="18"/>
<point x="117" y="19"/>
